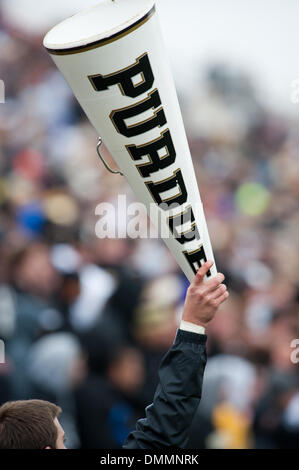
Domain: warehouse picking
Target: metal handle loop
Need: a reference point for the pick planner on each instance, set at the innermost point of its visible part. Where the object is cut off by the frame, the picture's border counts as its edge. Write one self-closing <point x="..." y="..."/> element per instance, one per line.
<point x="115" y="172"/>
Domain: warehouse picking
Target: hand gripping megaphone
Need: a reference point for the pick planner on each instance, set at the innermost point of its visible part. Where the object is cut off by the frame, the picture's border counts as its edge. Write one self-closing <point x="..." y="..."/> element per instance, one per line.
<point x="113" y="58"/>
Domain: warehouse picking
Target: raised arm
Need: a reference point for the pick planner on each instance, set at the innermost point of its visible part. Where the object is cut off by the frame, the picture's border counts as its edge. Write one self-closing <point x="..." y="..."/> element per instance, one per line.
<point x="169" y="417"/>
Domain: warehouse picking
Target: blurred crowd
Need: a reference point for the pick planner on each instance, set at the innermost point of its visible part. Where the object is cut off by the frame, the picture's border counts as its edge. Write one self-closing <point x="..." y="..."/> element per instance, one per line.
<point x="86" y="321"/>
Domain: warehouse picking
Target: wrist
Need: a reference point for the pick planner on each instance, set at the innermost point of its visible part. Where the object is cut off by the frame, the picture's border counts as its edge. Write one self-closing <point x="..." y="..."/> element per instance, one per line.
<point x="192" y="327"/>
<point x="195" y="321"/>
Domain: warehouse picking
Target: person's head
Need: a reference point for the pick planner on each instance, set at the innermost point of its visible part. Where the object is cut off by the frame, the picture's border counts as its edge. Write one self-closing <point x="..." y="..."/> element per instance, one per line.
<point x="126" y="370"/>
<point x="30" y="424"/>
<point x="32" y="270"/>
<point x="111" y="357"/>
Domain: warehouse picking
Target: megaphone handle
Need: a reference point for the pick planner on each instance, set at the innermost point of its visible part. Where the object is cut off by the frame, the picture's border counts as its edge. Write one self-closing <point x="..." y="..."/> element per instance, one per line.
<point x="115" y="172"/>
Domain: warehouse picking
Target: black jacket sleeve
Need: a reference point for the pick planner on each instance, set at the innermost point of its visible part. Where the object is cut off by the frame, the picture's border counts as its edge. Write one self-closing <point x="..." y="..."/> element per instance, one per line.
<point x="169" y="417"/>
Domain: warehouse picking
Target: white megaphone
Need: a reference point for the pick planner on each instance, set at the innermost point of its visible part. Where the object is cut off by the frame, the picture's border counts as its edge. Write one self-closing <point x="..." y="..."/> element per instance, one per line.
<point x="113" y="58"/>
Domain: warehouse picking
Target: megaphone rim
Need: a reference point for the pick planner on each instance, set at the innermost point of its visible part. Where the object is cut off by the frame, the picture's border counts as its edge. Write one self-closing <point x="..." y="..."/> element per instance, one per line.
<point x="54" y="46"/>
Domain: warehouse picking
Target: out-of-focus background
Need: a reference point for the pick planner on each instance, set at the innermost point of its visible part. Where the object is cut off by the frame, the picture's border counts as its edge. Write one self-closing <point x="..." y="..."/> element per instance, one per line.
<point x="86" y="321"/>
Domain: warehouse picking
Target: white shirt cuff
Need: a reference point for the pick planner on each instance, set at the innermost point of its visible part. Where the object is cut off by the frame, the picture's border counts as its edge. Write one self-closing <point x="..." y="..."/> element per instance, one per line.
<point x="188" y="326"/>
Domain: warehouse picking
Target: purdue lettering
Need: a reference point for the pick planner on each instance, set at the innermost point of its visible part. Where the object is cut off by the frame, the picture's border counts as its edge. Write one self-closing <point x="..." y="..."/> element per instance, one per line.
<point x="124" y="78"/>
<point x="196" y="259"/>
<point x="182" y="219"/>
<point x="151" y="150"/>
<point x="160" y="153"/>
<point x="158" y="119"/>
<point x="175" y="181"/>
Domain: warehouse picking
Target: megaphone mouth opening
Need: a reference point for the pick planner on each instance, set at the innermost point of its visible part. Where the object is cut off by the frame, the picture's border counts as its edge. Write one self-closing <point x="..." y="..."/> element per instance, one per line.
<point x="97" y="25"/>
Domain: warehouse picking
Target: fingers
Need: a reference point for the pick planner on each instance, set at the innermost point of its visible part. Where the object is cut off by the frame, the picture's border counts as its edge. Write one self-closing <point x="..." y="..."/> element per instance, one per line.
<point x="202" y="271"/>
<point x="219" y="291"/>
<point x="214" y="283"/>
<point x="221" y="299"/>
<point x="213" y="297"/>
<point x="213" y="291"/>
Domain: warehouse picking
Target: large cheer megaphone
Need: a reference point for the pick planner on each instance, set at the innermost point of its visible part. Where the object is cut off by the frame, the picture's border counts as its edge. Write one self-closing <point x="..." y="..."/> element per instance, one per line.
<point x="113" y="58"/>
